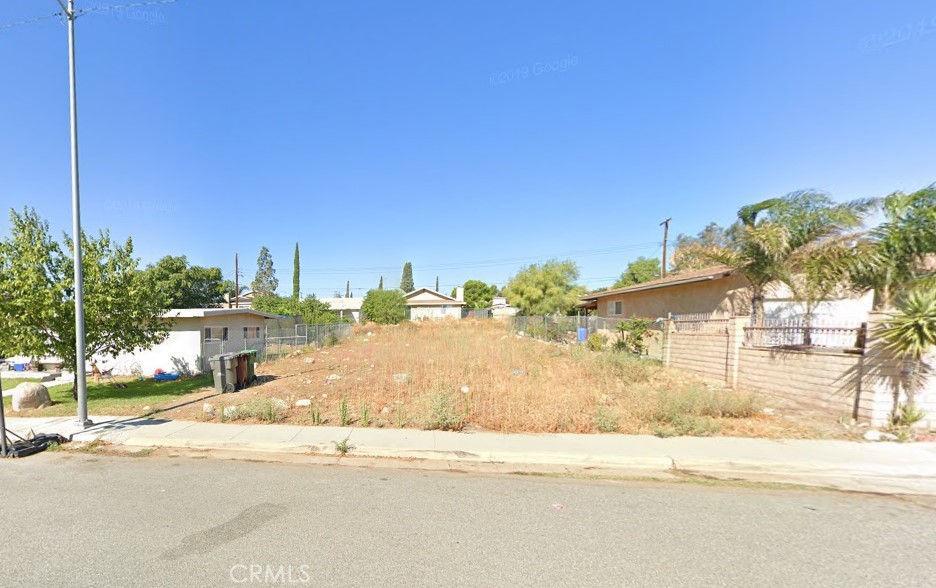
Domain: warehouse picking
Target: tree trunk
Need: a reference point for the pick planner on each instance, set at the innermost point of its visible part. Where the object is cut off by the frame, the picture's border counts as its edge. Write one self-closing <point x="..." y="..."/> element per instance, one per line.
<point x="75" y="386"/>
<point x="757" y="308"/>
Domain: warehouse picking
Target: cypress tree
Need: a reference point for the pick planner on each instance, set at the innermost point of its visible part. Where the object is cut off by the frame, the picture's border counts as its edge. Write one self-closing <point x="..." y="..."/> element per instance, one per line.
<point x="296" y="272"/>
<point x="437" y="284"/>
<point x="406" y="282"/>
<point x="347" y="289"/>
<point x="380" y="285"/>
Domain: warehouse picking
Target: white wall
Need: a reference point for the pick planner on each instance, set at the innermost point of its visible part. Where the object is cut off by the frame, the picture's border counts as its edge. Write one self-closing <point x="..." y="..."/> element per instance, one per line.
<point x="181" y="351"/>
<point x="419" y="313"/>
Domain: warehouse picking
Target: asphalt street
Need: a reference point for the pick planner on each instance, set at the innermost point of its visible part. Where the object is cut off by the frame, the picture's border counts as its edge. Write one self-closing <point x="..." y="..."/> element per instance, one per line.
<point x="96" y="520"/>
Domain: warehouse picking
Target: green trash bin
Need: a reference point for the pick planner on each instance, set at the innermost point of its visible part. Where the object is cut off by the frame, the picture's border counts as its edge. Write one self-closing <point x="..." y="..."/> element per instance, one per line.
<point x="251" y="356"/>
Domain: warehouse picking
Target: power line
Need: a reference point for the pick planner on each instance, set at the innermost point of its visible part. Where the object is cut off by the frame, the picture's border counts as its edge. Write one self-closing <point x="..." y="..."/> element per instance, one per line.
<point x="482" y="263"/>
<point x="83" y="11"/>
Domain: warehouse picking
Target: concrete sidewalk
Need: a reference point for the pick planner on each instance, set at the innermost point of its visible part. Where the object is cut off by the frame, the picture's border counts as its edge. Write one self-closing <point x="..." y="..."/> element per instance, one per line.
<point x="870" y="467"/>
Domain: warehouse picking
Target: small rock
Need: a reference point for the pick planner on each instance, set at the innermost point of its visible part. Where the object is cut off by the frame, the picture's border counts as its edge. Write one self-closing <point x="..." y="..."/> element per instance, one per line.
<point x="332" y="378"/>
<point x="517" y="373"/>
<point x="281" y="404"/>
<point x="208" y="409"/>
<point x="401" y="378"/>
<point x="30" y="395"/>
<point x="303" y="402"/>
<point x="369" y="333"/>
<point x="385" y="410"/>
<point x="873" y="435"/>
<point x="768" y="411"/>
<point x="308" y="360"/>
<point x="147" y="409"/>
<point x="888" y="437"/>
<point x="465" y="389"/>
<point x="229" y="412"/>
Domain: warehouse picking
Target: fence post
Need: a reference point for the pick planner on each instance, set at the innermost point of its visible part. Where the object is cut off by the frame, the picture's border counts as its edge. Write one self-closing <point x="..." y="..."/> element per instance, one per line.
<point x="736" y="326"/>
<point x="668" y="327"/>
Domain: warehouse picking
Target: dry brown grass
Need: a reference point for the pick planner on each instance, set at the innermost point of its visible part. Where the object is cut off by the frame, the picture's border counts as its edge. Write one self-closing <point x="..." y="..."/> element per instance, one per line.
<point x="513" y="384"/>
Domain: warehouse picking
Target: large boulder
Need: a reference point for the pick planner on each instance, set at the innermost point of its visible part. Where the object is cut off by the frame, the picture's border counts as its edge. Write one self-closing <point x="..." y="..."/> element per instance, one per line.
<point x="30" y="395"/>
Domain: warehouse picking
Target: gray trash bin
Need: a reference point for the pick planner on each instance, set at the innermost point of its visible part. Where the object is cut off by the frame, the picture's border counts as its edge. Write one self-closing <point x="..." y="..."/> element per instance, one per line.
<point x="222" y="370"/>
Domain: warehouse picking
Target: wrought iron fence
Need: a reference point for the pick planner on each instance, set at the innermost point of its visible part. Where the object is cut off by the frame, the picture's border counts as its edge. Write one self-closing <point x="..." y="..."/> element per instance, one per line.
<point x="799" y="332"/>
<point x="700" y="322"/>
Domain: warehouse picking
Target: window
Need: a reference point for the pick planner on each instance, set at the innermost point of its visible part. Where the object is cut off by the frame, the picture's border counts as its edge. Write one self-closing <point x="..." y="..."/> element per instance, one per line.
<point x="251" y="332"/>
<point x="216" y="333"/>
<point x="616" y="307"/>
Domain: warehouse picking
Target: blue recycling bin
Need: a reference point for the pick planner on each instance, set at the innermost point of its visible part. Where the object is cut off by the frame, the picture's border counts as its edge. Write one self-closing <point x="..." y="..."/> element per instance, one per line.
<point x="582" y="334"/>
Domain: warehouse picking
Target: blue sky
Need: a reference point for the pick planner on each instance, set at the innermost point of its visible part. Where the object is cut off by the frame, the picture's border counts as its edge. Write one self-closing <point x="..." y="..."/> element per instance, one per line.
<point x="467" y="138"/>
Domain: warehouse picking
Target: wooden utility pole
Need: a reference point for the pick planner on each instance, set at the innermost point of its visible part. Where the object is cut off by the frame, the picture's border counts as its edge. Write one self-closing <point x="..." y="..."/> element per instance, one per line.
<point x="236" y="283"/>
<point x="665" y="225"/>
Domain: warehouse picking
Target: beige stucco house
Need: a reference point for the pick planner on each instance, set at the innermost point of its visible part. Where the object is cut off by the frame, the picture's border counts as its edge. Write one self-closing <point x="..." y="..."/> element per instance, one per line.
<point x="427" y="304"/>
<point x="715" y="292"/>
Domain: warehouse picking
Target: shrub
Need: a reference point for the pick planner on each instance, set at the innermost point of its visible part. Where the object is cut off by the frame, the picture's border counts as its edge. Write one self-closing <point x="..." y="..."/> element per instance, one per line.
<point x="596" y="341"/>
<point x="261" y="408"/>
<point x="384" y="307"/>
<point x="607" y="420"/>
<point x="634" y="332"/>
<point x="344" y="413"/>
<point x="443" y="414"/>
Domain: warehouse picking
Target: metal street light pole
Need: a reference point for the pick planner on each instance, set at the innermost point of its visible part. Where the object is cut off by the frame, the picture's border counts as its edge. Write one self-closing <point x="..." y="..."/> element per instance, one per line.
<point x="80" y="383"/>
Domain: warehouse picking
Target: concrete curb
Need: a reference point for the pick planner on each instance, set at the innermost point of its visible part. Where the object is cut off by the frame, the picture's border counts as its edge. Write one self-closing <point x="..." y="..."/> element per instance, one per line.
<point x="855" y="466"/>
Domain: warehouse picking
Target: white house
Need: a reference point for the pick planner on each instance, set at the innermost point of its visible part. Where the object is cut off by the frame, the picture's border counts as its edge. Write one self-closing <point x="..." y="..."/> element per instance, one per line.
<point x="345" y="307"/>
<point x="500" y="308"/>
<point x="196" y="335"/>
<point x="427" y="304"/>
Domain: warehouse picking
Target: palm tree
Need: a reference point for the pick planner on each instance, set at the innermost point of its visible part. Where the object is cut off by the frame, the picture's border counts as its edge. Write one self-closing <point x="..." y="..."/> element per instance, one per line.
<point x="771" y="237"/>
<point x="901" y="251"/>
<point x="911" y="334"/>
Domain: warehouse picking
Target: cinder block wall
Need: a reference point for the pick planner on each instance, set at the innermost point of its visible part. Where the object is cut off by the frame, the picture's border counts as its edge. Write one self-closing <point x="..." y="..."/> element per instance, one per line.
<point x="833" y="382"/>
<point x="826" y="381"/>
<point x="703" y="353"/>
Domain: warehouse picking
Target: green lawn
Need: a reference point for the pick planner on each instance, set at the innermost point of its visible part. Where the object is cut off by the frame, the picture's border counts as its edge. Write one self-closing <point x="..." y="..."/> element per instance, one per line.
<point x="105" y="399"/>
<point x="8" y="383"/>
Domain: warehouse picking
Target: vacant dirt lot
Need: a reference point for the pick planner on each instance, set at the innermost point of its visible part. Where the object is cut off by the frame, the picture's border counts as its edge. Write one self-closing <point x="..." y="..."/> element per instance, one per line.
<point x="475" y="374"/>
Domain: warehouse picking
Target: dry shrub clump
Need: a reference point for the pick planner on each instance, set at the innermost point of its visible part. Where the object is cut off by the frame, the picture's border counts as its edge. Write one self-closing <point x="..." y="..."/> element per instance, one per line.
<point x="450" y="375"/>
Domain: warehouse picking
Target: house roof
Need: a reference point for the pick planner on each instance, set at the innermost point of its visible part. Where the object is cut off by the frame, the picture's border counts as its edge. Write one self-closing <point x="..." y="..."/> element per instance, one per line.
<point x="442" y="297"/>
<point x="207" y="312"/>
<point x="343" y="303"/>
<point x="703" y="275"/>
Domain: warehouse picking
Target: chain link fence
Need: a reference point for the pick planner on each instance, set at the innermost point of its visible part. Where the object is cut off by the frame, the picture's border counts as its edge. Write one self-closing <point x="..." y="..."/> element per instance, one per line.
<point x="566" y="329"/>
<point x="280" y="337"/>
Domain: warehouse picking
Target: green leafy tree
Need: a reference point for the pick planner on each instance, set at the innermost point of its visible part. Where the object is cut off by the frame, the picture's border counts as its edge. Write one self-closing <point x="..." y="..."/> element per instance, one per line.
<point x="122" y="313"/>
<point x="900" y="253"/>
<point x="686" y="252"/>
<point x="385" y="307"/>
<point x="186" y="286"/>
<point x="478" y="294"/>
<point x="295" y="292"/>
<point x="406" y="282"/>
<point x="548" y="288"/>
<point x="265" y="281"/>
<point x="312" y="310"/>
<point x="640" y="270"/>
<point x="769" y="233"/>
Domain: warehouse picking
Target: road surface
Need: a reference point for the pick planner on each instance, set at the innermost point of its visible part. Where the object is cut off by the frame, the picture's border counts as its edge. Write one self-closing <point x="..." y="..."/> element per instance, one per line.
<point x="92" y="520"/>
